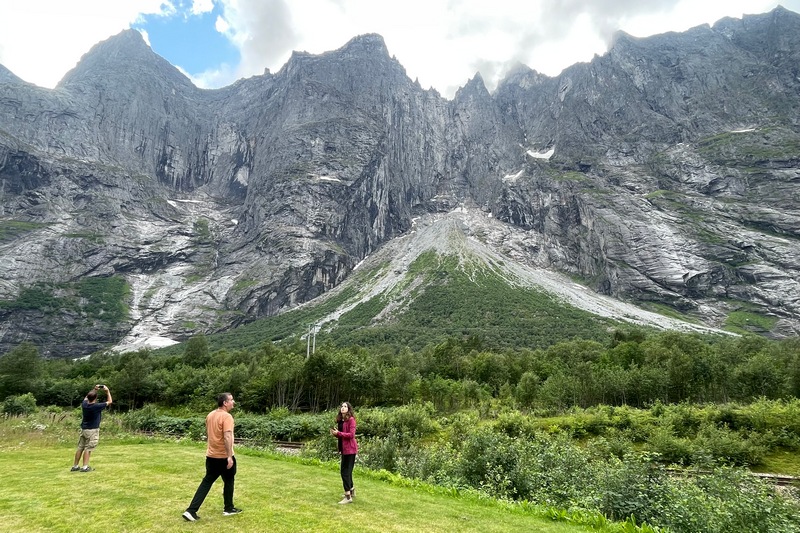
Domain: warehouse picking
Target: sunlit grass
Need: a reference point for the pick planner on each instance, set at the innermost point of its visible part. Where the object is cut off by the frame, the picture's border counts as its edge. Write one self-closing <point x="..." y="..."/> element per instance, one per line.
<point x="146" y="486"/>
<point x="784" y="461"/>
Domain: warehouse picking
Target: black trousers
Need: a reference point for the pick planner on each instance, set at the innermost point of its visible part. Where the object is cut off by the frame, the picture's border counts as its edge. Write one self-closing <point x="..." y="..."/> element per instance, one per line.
<point x="346" y="469"/>
<point x="215" y="468"/>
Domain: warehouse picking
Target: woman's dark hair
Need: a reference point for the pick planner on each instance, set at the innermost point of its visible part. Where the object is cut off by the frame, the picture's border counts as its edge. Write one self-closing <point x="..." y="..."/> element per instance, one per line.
<point x="350" y="412"/>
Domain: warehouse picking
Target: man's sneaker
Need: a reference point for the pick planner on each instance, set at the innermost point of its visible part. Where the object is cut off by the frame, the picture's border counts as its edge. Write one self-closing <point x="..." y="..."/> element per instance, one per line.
<point x="189" y="516"/>
<point x="86" y="469"/>
<point x="231" y="511"/>
<point x="345" y="500"/>
<point x="74" y="468"/>
<point x="353" y="493"/>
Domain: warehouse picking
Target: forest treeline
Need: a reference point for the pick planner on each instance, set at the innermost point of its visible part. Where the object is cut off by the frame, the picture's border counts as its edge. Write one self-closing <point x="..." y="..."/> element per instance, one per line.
<point x="635" y="368"/>
<point x="580" y="425"/>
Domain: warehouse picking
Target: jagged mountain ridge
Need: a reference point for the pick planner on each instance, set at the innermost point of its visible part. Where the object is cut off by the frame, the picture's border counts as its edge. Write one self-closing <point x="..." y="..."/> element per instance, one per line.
<point x="219" y="207"/>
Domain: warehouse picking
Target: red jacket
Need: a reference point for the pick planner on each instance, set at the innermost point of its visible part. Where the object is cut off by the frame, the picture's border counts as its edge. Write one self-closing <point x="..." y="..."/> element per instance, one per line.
<point x="348" y="436"/>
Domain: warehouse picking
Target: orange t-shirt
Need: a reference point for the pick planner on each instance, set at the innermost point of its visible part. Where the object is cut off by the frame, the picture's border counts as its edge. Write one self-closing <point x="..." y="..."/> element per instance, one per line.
<point x="217" y="423"/>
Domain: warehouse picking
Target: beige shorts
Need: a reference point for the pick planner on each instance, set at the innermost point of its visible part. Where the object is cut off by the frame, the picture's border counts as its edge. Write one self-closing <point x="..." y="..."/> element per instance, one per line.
<point x="89" y="439"/>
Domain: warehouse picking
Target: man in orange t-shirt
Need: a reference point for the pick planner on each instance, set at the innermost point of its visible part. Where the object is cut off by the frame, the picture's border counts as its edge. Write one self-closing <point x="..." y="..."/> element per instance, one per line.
<point x="220" y="461"/>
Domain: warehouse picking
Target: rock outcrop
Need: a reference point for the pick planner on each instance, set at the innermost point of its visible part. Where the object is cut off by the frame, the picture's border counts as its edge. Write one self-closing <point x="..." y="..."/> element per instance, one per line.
<point x="664" y="172"/>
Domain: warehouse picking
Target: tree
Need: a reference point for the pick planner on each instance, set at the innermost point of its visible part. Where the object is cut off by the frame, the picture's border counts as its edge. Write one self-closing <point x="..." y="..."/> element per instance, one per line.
<point x="528" y="388"/>
<point x="19" y="369"/>
<point x="759" y="376"/>
<point x="196" y="354"/>
<point x="132" y="383"/>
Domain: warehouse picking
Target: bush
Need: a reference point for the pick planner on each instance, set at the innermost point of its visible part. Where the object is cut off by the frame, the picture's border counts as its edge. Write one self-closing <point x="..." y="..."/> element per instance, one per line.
<point x="144" y="419"/>
<point x="433" y="464"/>
<point x="279" y="425"/>
<point x="729" y="500"/>
<point x="23" y="404"/>
<point x="614" y="444"/>
<point x="553" y="470"/>
<point x="670" y="448"/>
<point x="382" y="453"/>
<point x="515" y="424"/>
<point x="558" y="472"/>
<point x="684" y="419"/>
<point x="633" y="487"/>
<point x="728" y="447"/>
<point x="407" y="422"/>
<point x="490" y="461"/>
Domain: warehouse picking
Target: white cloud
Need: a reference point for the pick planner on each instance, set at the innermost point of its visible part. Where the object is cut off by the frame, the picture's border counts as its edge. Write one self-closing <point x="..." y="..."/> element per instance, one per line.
<point x="40" y="40"/>
<point x="221" y="25"/>
<point x="440" y="42"/>
<point x="202" y="6"/>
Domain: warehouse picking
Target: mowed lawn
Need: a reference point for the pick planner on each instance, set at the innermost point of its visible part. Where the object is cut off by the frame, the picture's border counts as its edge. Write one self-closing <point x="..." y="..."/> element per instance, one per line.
<point x="146" y="487"/>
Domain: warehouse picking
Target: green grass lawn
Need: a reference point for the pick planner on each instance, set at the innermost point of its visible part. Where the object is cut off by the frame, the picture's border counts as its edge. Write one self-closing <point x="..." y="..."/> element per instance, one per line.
<point x="145" y="486"/>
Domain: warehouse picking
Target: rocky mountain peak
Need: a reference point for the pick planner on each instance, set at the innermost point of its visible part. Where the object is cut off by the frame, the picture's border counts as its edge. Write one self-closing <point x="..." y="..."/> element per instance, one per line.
<point x="474" y="88"/>
<point x="521" y="75"/>
<point x="123" y="58"/>
<point x="366" y="44"/>
<point x="6" y="76"/>
<point x="362" y="64"/>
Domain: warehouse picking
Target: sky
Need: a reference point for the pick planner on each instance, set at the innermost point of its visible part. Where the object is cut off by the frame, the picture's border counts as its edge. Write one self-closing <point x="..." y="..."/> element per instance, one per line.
<point x="441" y="43"/>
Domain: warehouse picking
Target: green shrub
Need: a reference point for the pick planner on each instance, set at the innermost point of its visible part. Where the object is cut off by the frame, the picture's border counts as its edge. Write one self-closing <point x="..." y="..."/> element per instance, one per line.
<point x="553" y="470"/>
<point x="458" y="426"/>
<point x="671" y="449"/>
<point x="491" y="462"/>
<point x="144" y="419"/>
<point x="383" y="452"/>
<point x="728" y="447"/>
<point x="633" y="487"/>
<point x="409" y="421"/>
<point x="515" y="424"/>
<point x="729" y="500"/>
<point x="614" y="444"/>
<point x="433" y="464"/>
<point x="171" y="425"/>
<point x="558" y="472"/>
<point x="683" y="419"/>
<point x="23" y="404"/>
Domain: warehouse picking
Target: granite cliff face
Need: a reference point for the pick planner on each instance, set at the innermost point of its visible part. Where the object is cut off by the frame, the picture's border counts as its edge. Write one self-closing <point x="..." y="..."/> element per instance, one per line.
<point x="664" y="172"/>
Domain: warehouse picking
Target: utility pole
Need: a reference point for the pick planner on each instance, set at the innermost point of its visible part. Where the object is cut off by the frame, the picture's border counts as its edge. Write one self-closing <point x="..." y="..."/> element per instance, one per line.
<point x="314" y="341"/>
<point x="308" y="342"/>
<point x="311" y="345"/>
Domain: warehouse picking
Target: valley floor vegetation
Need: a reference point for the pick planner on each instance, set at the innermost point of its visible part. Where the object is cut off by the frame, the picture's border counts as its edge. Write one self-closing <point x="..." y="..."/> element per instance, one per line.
<point x="655" y="428"/>
<point x="143" y="485"/>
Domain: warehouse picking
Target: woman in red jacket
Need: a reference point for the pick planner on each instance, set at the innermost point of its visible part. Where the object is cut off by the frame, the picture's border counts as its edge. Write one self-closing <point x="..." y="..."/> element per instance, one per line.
<point x="345" y="432"/>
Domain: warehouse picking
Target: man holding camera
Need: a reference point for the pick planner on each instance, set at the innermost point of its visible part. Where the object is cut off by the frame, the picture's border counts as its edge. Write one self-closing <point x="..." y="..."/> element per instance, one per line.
<point x="90" y="427"/>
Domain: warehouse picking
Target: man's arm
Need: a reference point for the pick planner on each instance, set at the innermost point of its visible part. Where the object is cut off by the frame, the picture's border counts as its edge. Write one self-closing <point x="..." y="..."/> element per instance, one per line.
<point x="228" y="437"/>
<point x="108" y="396"/>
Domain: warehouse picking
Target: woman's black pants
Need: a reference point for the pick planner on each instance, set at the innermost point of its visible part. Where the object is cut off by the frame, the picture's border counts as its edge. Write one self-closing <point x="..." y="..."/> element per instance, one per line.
<point x="348" y="462"/>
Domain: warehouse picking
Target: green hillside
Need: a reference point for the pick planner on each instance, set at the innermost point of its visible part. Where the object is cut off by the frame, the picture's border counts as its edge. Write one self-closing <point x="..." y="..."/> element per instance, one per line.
<point x="439" y="297"/>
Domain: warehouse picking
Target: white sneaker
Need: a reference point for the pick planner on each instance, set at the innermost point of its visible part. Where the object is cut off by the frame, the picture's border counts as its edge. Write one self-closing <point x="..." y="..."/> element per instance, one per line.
<point x="346" y="500"/>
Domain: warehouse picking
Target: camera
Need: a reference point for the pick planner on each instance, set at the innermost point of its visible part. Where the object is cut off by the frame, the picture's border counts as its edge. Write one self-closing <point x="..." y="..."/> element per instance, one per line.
<point x="101" y="386"/>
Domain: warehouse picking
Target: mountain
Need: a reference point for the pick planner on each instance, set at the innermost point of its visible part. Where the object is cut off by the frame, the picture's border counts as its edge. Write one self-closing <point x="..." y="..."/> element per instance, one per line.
<point x="137" y="208"/>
